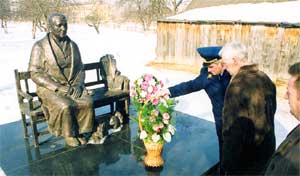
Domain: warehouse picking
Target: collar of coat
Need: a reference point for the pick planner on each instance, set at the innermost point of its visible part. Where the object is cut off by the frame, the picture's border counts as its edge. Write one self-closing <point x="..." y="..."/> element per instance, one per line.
<point x="246" y="68"/>
<point x="251" y="67"/>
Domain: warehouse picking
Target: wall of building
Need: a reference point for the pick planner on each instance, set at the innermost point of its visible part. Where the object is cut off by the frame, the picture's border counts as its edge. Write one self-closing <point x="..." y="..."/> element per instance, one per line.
<point x="273" y="46"/>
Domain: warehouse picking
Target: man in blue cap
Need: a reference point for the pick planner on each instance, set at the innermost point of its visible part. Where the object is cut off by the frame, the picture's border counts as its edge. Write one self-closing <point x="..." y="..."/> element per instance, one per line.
<point x="214" y="79"/>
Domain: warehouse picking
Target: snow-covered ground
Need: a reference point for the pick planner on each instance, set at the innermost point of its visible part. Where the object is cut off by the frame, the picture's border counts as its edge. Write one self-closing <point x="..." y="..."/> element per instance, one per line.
<point x="132" y="51"/>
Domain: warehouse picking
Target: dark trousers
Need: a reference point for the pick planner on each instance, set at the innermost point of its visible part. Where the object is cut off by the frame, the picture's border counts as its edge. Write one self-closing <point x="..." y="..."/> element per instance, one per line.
<point x="218" y="123"/>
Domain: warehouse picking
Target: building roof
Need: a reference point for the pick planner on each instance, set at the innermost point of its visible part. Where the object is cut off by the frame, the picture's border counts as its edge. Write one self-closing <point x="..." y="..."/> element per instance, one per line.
<point x="280" y="12"/>
<point x="208" y="3"/>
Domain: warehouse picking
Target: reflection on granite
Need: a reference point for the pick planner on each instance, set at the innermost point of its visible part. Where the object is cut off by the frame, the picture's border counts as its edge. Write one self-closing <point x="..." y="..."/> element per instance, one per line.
<point x="192" y="151"/>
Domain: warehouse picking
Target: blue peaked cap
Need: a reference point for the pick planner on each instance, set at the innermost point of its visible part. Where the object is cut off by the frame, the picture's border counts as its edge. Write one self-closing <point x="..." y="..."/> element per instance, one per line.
<point x="209" y="54"/>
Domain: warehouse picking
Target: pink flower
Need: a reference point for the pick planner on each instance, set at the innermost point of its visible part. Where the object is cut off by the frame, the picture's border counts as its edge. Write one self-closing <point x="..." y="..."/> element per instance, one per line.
<point x="166" y="116"/>
<point x="144" y="85"/>
<point x="155" y="89"/>
<point x="132" y="91"/>
<point x="148" y="77"/>
<point x="155" y="112"/>
<point x="161" y="83"/>
<point x="155" y="101"/>
<point x="148" y="96"/>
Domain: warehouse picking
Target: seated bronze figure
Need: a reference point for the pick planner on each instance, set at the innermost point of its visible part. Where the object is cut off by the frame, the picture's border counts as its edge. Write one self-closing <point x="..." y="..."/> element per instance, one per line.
<point x="110" y="73"/>
<point x="56" y="68"/>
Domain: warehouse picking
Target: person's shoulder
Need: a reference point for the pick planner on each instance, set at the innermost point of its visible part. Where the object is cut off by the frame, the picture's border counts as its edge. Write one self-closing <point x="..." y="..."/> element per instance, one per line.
<point x="39" y="43"/>
<point x="203" y="71"/>
<point x="42" y="40"/>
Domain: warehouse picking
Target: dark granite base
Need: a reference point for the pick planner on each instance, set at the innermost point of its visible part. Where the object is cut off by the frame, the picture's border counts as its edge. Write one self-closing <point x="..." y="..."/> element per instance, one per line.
<point x="192" y="151"/>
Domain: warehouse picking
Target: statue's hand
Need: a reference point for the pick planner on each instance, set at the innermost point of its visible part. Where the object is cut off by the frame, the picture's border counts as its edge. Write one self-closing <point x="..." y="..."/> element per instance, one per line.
<point x="77" y="91"/>
<point x="63" y="90"/>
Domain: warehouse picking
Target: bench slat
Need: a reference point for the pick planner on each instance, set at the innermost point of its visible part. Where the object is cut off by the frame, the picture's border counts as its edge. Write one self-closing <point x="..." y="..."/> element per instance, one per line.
<point x="91" y="66"/>
<point x="93" y="83"/>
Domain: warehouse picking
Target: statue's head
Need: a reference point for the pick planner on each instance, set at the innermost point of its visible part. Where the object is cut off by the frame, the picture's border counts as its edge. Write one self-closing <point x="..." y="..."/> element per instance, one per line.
<point x="58" y="25"/>
<point x="108" y="66"/>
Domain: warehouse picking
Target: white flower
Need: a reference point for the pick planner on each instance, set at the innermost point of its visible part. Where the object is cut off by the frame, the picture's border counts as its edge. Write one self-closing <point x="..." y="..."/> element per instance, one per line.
<point x="155" y="137"/>
<point x="143" y="135"/>
<point x="143" y="94"/>
<point x="152" y="82"/>
<point x="140" y="81"/>
<point x="150" y="89"/>
<point x="171" y="129"/>
<point x="166" y="121"/>
<point x="167" y="137"/>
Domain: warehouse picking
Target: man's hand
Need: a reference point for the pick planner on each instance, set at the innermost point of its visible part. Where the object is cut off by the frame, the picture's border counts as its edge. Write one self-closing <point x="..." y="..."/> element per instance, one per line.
<point x="165" y="92"/>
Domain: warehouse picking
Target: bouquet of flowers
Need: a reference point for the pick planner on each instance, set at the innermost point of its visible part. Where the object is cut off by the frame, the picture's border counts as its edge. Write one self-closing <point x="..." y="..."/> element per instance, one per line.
<point x="154" y="108"/>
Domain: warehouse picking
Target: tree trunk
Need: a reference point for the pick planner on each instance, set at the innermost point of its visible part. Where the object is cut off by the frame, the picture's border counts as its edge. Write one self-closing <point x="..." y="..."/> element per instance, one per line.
<point x="96" y="28"/>
<point x="4" y="25"/>
<point x="33" y="29"/>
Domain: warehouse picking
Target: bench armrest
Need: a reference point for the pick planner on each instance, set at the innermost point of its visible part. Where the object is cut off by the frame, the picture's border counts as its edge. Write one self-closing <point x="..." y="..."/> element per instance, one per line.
<point x="28" y="97"/>
<point x="25" y="95"/>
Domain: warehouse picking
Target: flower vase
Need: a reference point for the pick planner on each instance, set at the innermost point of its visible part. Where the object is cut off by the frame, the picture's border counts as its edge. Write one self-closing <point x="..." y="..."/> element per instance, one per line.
<point x="153" y="157"/>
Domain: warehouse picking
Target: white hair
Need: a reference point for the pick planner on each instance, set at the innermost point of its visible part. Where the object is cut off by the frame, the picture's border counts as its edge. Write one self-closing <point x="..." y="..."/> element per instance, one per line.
<point x="235" y="50"/>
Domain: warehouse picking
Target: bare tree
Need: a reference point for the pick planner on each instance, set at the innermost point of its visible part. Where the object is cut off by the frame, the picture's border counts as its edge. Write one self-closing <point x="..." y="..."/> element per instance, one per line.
<point x="144" y="11"/>
<point x="4" y="13"/>
<point x="37" y="11"/>
<point x="176" y="5"/>
<point x="99" y="13"/>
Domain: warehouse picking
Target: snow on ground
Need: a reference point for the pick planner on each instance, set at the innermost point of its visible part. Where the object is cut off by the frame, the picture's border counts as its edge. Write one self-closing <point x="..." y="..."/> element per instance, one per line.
<point x="132" y="51"/>
<point x="279" y="12"/>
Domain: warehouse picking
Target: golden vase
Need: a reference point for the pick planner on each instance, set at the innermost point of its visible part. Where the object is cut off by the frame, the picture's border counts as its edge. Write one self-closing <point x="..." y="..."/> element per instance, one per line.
<point x="153" y="157"/>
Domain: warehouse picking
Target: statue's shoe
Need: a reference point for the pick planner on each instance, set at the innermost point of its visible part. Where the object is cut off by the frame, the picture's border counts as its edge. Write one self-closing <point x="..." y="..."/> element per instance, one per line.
<point x="72" y="142"/>
<point x="82" y="140"/>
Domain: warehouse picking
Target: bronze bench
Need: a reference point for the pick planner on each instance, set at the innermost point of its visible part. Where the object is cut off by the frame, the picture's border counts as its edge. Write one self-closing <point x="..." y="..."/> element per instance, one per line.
<point x="30" y="105"/>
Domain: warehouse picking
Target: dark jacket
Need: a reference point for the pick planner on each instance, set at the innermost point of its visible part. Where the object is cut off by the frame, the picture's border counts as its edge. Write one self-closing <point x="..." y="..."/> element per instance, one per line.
<point x="285" y="160"/>
<point x="248" y="122"/>
<point x="214" y="86"/>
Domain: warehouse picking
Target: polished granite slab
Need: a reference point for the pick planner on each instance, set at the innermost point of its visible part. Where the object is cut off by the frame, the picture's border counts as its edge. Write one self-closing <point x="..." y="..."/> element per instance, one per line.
<point x="192" y="151"/>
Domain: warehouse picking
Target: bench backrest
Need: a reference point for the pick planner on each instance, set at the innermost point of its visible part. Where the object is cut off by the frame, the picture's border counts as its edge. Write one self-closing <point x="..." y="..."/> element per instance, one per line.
<point x="97" y="67"/>
<point x="23" y="80"/>
<point x="23" y="84"/>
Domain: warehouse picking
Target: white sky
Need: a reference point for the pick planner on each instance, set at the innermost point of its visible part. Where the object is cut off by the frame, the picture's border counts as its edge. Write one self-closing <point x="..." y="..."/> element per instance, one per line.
<point x="247" y="12"/>
<point x="132" y="51"/>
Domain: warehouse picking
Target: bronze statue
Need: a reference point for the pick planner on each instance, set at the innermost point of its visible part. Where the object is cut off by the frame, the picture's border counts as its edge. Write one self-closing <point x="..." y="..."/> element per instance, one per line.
<point x="112" y="76"/>
<point x="105" y="127"/>
<point x="100" y="135"/>
<point x="114" y="80"/>
<point x="56" y="68"/>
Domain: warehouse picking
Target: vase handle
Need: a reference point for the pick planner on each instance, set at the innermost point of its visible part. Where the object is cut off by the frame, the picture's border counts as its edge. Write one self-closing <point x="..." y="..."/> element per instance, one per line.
<point x="140" y="122"/>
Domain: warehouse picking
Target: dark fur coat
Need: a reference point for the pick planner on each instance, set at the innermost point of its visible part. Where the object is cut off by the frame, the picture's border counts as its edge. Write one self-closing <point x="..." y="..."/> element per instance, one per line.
<point x="248" y="122"/>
